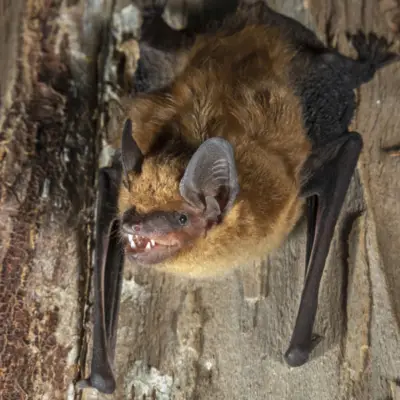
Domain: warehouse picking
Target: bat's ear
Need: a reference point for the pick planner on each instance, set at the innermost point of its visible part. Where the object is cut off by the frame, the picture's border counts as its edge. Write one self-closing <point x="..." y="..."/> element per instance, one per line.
<point x="131" y="155"/>
<point x="210" y="180"/>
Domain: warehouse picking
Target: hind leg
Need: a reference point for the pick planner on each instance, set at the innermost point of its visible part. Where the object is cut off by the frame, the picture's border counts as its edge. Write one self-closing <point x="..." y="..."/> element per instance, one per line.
<point x="372" y="48"/>
<point x="373" y="54"/>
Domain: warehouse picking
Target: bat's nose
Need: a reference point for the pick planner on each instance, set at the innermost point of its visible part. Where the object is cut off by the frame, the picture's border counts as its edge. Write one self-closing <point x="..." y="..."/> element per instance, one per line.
<point x="137" y="227"/>
<point x="132" y="223"/>
<point x="132" y="228"/>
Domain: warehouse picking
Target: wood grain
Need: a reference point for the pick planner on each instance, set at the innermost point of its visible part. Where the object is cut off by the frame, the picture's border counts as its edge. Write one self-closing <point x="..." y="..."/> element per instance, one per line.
<point x="224" y="339"/>
<point x="48" y="157"/>
<point x="177" y="338"/>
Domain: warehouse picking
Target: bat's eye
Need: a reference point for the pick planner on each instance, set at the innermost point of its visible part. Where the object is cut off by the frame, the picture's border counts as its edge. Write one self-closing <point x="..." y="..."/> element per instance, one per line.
<point x="183" y="219"/>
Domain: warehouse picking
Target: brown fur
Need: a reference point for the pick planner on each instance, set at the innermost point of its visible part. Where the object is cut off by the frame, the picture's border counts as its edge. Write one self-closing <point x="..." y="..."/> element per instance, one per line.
<point x="233" y="86"/>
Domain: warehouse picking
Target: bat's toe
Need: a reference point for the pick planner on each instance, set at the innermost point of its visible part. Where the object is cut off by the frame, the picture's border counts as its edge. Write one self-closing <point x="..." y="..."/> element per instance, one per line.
<point x="372" y="48"/>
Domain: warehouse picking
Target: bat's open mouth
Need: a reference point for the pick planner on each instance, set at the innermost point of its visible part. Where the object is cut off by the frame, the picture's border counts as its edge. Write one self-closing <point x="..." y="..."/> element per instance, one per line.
<point x="150" y="250"/>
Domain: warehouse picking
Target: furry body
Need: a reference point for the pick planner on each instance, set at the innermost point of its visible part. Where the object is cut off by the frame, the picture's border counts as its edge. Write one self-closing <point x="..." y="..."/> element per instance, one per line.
<point x="234" y="86"/>
<point x="221" y="156"/>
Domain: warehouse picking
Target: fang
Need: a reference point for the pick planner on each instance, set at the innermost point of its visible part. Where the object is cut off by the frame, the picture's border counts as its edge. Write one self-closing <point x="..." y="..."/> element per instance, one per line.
<point x="148" y="246"/>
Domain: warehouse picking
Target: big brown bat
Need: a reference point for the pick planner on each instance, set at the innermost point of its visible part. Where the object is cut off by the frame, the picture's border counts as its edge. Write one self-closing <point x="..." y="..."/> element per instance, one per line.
<point x="217" y="165"/>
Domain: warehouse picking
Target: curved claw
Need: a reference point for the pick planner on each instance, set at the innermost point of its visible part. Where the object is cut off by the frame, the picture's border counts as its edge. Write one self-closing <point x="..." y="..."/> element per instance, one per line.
<point x="372" y="48"/>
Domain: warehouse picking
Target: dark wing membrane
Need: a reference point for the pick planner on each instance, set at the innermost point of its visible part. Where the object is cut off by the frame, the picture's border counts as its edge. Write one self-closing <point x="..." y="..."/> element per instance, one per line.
<point x="108" y="269"/>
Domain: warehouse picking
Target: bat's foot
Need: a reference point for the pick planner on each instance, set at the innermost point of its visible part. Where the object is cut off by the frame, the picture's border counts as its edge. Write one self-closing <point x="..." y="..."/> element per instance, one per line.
<point x="297" y="355"/>
<point x="372" y="49"/>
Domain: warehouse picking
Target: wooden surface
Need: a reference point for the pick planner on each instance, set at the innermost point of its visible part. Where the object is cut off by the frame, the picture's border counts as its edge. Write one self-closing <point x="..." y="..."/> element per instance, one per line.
<point x="181" y="339"/>
<point x="48" y="160"/>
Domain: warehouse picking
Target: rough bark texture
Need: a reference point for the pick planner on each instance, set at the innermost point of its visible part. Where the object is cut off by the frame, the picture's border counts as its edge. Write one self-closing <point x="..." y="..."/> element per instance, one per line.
<point x="180" y="339"/>
<point x="48" y="162"/>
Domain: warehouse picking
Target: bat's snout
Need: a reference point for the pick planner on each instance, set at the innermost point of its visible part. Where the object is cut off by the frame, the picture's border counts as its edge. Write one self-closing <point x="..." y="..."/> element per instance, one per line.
<point x="132" y="228"/>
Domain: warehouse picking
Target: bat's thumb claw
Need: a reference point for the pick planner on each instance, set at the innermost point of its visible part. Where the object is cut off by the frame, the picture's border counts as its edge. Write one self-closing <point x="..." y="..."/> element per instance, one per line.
<point x="97" y="382"/>
<point x="83" y="384"/>
<point x="296" y="356"/>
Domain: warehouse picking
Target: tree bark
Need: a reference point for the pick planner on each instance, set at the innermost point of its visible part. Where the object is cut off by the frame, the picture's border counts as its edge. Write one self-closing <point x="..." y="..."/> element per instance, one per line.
<point x="48" y="163"/>
<point x="178" y="338"/>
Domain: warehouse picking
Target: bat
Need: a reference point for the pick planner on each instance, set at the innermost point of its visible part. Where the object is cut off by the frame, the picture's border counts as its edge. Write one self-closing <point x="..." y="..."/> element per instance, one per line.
<point x="218" y="163"/>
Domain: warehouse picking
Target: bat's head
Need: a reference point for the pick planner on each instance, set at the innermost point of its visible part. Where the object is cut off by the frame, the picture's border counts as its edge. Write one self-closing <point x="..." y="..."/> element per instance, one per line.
<point x="172" y="198"/>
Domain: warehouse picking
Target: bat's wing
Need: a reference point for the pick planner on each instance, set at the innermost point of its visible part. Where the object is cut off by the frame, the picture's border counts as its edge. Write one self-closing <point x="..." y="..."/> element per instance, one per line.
<point x="327" y="176"/>
<point x="108" y="269"/>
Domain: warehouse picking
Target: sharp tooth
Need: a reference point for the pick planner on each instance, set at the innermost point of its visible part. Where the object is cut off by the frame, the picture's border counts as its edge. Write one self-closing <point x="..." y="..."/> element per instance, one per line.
<point x="148" y="246"/>
<point x="131" y="241"/>
<point x="153" y="243"/>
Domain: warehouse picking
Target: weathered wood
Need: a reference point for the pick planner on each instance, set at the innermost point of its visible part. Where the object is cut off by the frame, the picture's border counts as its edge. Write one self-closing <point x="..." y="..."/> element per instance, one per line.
<point x="376" y="120"/>
<point x="48" y="162"/>
<point x="177" y="338"/>
<point x="224" y="339"/>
